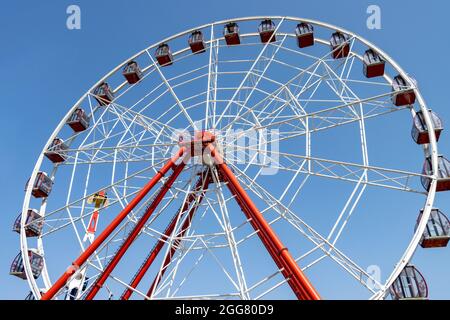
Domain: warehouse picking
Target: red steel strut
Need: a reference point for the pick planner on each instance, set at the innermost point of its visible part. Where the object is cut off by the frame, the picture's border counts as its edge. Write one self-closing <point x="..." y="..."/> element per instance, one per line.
<point x="272" y="251"/>
<point x="201" y="185"/>
<point x="299" y="283"/>
<point x="134" y="233"/>
<point x="61" y="282"/>
<point x="181" y="234"/>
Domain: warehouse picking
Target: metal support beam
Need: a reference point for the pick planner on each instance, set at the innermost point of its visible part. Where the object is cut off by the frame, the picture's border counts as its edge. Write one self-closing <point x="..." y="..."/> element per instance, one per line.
<point x="201" y="185"/>
<point x="184" y="228"/>
<point x="81" y="260"/>
<point x="134" y="233"/>
<point x="299" y="283"/>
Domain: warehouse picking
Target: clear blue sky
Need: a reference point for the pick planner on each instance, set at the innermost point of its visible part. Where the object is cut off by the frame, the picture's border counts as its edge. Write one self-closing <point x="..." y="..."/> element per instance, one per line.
<point x="46" y="68"/>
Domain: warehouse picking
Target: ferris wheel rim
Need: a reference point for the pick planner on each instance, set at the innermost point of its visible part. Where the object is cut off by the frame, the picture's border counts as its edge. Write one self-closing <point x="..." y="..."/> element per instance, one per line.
<point x="414" y="243"/>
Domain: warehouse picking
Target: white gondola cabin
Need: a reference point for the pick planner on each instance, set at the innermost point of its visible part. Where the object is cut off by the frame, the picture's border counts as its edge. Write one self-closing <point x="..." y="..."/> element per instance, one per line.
<point x="132" y="72"/>
<point x="374" y="64"/>
<point x="196" y="42"/>
<point x="266" y="31"/>
<point x="437" y="231"/>
<point x="79" y="120"/>
<point x="103" y="94"/>
<point x="36" y="262"/>
<point x="57" y="152"/>
<point x="410" y="285"/>
<point x="419" y="131"/>
<point x="42" y="186"/>
<point x="164" y="55"/>
<point x="403" y="94"/>
<point x="231" y="34"/>
<point x="340" y="45"/>
<point x="33" y="225"/>
<point x="305" y="35"/>
<point x="443" y="180"/>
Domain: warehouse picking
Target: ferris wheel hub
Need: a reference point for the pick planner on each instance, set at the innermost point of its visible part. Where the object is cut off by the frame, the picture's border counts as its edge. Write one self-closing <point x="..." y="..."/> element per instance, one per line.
<point x="197" y="142"/>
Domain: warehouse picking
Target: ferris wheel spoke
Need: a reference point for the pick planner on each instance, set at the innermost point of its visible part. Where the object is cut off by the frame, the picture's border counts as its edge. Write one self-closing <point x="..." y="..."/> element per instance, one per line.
<point x="189" y="272"/>
<point x="68" y="206"/>
<point x="360" y="115"/>
<point x="345" y="171"/>
<point x="273" y="116"/>
<point x="119" y="153"/>
<point x="168" y="282"/>
<point x="258" y="76"/>
<point x="170" y="251"/>
<point x="99" y="147"/>
<point x="331" y="121"/>
<point x="161" y="132"/>
<point x="175" y="240"/>
<point x="217" y="260"/>
<point x="133" y="219"/>
<point x="213" y="68"/>
<point x="350" y="59"/>
<point x="97" y="143"/>
<point x="320" y="112"/>
<point x="275" y="96"/>
<point x="137" y="175"/>
<point x="359" y="189"/>
<point x="247" y="77"/>
<point x="136" y="231"/>
<point x="99" y="121"/>
<point x="114" y="278"/>
<point x="316" y="63"/>
<point x="268" y="100"/>
<point x="124" y="146"/>
<point x="182" y="250"/>
<point x="150" y="125"/>
<point x="347" y="211"/>
<point x="231" y="239"/>
<point x="310" y="234"/>
<point x="171" y="90"/>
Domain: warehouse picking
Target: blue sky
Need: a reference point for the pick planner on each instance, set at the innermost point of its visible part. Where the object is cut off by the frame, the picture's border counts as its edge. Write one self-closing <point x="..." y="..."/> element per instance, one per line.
<point x="46" y="68"/>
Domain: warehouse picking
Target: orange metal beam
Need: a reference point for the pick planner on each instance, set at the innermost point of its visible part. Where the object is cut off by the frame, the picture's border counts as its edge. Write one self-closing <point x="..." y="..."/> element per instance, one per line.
<point x="61" y="282"/>
<point x="134" y="233"/>
<point x="280" y="254"/>
<point x="202" y="184"/>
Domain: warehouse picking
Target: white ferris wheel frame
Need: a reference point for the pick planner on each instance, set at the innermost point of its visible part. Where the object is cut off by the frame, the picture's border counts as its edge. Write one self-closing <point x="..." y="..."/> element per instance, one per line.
<point x="430" y="150"/>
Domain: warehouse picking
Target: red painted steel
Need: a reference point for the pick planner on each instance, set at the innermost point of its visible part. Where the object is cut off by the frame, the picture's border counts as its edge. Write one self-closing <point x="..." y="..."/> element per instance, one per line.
<point x="61" y="282"/>
<point x="202" y="184"/>
<point x="295" y="277"/>
<point x="298" y="289"/>
<point x="134" y="233"/>
<point x="299" y="283"/>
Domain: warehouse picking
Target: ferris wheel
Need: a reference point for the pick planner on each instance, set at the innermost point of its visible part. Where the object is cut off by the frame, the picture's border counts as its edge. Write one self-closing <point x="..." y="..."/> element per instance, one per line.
<point x="251" y="158"/>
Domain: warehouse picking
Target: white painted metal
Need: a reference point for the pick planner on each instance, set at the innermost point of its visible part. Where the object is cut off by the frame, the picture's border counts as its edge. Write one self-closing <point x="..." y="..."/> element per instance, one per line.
<point x="160" y="141"/>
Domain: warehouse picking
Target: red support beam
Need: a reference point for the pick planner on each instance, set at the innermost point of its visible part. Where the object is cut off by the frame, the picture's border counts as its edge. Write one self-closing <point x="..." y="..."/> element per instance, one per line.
<point x="201" y="185"/>
<point x="297" y="280"/>
<point x="134" y="233"/>
<point x="81" y="260"/>
<point x="299" y="292"/>
<point x="173" y="249"/>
